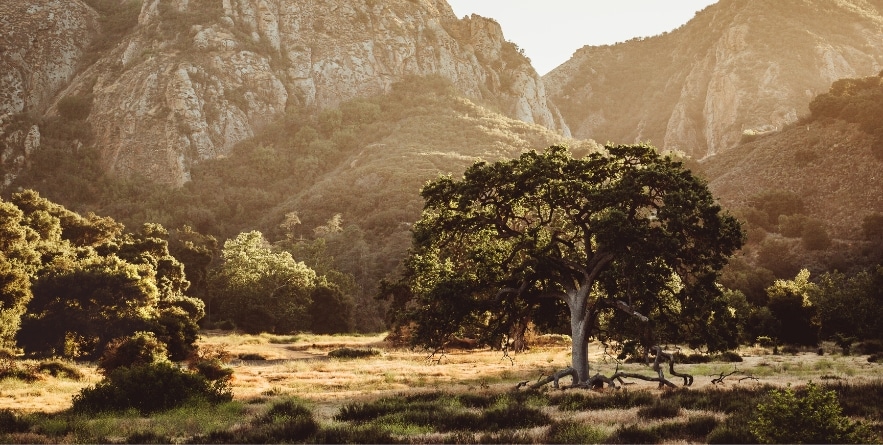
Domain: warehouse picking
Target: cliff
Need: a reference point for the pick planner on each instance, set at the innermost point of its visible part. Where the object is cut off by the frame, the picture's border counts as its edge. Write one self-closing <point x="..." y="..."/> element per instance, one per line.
<point x="195" y="77"/>
<point x="41" y="44"/>
<point x="739" y="66"/>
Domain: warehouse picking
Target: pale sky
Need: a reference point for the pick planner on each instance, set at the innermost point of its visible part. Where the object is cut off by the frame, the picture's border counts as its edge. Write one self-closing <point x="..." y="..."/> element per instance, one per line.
<point x="550" y="31"/>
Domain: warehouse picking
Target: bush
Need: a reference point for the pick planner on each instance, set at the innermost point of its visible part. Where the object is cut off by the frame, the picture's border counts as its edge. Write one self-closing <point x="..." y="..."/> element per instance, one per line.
<point x="728" y="356"/>
<point x="353" y="353"/>
<point x="141" y="348"/>
<point x="59" y="368"/>
<point x="815" y="416"/>
<point x="149" y="388"/>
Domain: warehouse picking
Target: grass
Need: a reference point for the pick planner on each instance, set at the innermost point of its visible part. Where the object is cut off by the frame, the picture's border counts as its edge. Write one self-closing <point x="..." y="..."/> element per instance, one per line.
<point x="300" y="394"/>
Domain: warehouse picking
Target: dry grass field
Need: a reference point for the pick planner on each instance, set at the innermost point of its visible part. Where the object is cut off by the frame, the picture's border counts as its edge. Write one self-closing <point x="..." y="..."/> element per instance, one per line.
<point x="269" y="368"/>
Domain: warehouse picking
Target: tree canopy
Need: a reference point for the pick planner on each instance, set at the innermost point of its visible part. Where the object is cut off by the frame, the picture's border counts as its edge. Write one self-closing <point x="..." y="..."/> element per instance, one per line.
<point x="600" y="242"/>
<point x="71" y="284"/>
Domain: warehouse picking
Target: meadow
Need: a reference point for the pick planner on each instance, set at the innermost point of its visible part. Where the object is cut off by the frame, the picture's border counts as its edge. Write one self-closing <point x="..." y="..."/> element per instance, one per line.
<point x="360" y="389"/>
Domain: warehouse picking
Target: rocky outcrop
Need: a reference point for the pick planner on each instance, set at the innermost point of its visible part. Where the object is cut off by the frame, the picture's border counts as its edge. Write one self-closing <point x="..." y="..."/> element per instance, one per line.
<point x="41" y="45"/>
<point x="195" y="77"/>
<point x="739" y="66"/>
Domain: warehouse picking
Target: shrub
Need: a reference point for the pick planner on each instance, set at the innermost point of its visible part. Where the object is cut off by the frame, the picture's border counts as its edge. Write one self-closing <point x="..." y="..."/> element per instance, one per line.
<point x="574" y="432"/>
<point x="141" y="348"/>
<point x="870" y="347"/>
<point x="10" y="368"/>
<point x="353" y="353"/>
<point x="149" y="388"/>
<point x="59" y="368"/>
<point x="10" y="422"/>
<point x="812" y="417"/>
<point x="728" y="356"/>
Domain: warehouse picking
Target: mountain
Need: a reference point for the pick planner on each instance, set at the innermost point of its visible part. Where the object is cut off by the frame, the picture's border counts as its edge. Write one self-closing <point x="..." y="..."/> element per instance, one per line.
<point x="190" y="79"/>
<point x="739" y="66"/>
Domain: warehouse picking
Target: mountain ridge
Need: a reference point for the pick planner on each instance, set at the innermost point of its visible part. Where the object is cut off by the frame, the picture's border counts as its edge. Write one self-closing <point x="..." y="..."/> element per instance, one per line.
<point x="737" y="65"/>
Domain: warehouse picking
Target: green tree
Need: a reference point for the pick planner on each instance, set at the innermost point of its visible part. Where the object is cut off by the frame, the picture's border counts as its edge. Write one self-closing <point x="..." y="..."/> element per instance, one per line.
<point x="262" y="290"/>
<point x="79" y="306"/>
<point x="850" y="305"/>
<point x="546" y="237"/>
<point x="90" y="283"/>
<point x="790" y="304"/>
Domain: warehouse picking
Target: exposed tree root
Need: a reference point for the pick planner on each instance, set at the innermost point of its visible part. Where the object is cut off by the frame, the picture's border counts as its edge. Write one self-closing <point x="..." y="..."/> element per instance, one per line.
<point x="598" y="380"/>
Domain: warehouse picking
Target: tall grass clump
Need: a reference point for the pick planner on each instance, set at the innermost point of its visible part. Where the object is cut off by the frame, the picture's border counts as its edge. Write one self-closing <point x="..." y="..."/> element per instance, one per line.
<point x="574" y="432"/>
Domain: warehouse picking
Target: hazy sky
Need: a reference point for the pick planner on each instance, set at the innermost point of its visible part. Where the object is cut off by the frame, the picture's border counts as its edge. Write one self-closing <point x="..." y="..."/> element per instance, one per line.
<point x="550" y="31"/>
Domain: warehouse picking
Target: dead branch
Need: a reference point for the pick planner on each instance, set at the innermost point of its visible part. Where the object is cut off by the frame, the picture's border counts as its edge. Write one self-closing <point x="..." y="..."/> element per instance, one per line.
<point x="436" y="361"/>
<point x="722" y="376"/>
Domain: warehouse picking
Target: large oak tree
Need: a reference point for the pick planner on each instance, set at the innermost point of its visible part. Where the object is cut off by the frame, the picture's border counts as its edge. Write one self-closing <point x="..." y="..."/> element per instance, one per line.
<point x="620" y="241"/>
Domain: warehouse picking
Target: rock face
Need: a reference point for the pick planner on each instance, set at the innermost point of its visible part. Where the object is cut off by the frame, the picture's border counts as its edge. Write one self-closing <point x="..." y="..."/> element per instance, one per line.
<point x="41" y="44"/>
<point x="195" y="77"/>
<point x="738" y="66"/>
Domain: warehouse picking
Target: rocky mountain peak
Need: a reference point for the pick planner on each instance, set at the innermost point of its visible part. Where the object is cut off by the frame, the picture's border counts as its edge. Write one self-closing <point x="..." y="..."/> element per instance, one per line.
<point x="739" y="66"/>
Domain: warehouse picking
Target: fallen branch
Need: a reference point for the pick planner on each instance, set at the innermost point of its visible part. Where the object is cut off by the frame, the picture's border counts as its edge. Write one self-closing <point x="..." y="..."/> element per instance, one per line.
<point x="722" y="376"/>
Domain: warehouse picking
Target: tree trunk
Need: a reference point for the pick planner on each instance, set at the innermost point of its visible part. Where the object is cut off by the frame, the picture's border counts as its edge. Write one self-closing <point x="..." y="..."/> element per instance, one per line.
<point x="579" y="334"/>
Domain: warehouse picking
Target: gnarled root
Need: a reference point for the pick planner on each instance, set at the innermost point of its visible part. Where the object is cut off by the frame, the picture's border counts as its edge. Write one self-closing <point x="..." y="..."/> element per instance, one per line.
<point x="598" y="381"/>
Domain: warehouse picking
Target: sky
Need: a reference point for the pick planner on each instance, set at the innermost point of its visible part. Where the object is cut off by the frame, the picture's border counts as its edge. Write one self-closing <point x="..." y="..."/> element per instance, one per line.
<point x="550" y="31"/>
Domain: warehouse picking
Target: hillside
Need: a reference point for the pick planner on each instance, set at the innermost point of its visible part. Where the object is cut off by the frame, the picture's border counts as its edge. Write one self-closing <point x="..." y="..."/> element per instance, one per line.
<point x="185" y="81"/>
<point x="738" y="65"/>
<point x="341" y="188"/>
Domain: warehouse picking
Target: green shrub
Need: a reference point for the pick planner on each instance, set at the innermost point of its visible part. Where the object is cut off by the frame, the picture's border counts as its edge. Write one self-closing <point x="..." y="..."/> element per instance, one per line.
<point x="141" y="348"/>
<point x="574" y="432"/>
<point x="814" y="416"/>
<point x="149" y="388"/>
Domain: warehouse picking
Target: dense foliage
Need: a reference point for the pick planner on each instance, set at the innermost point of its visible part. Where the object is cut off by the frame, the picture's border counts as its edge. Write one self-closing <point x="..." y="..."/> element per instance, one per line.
<point x="547" y="236"/>
<point x="812" y="416"/>
<point x="74" y="284"/>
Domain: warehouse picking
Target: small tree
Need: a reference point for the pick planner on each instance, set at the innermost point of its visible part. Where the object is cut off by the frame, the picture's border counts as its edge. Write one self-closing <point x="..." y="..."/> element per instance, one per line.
<point x="262" y="290"/>
<point x="617" y="236"/>
<point x="791" y="306"/>
<point x="810" y="416"/>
